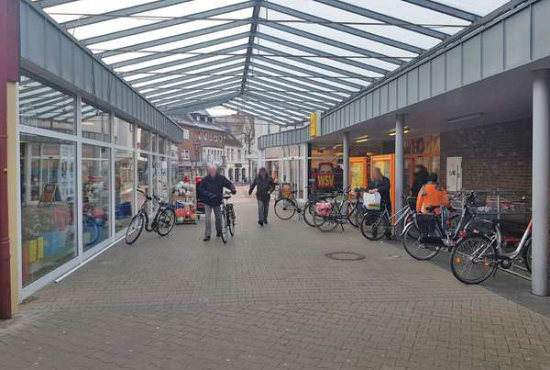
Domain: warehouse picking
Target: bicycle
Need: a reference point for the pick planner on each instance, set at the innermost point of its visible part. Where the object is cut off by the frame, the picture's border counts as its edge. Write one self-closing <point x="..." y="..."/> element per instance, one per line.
<point x="477" y="256"/>
<point x="162" y="224"/>
<point x="376" y="224"/>
<point x="286" y="207"/>
<point x="228" y="217"/>
<point x="328" y="220"/>
<point x="427" y="234"/>
<point x="355" y="210"/>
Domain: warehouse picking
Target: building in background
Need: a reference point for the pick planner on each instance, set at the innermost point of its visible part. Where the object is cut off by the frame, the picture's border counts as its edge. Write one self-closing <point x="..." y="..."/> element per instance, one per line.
<point x="205" y="144"/>
<point x="236" y="164"/>
<point x="243" y="128"/>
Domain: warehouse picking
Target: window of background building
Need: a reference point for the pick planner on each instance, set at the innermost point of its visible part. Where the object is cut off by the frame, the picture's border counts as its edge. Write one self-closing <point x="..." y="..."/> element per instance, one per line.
<point x="48" y="209"/>
<point x="162" y="145"/>
<point x="96" y="195"/>
<point x="143" y="137"/>
<point x="123" y="133"/>
<point x="45" y="107"/>
<point x="185" y="134"/>
<point x="124" y="187"/>
<point x="154" y="143"/>
<point x="96" y="124"/>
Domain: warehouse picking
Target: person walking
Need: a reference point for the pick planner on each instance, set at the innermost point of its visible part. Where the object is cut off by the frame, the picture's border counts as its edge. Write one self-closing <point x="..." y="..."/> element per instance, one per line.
<point x="420" y="179"/>
<point x="432" y="196"/>
<point x="381" y="184"/>
<point x="264" y="185"/>
<point x="210" y="192"/>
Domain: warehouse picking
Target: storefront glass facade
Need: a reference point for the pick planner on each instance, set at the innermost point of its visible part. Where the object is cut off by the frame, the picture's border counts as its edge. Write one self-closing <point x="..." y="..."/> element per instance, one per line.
<point x="79" y="171"/>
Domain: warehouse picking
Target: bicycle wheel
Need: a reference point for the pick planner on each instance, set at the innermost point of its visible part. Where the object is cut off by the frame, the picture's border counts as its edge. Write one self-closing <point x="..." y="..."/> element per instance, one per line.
<point x="474" y="259"/>
<point x="374" y="225"/>
<point x="417" y="246"/>
<point x="231" y="221"/>
<point x="327" y="223"/>
<point x="90" y="227"/>
<point x="285" y="208"/>
<point x="225" y="226"/>
<point x="355" y="215"/>
<point x="135" y="228"/>
<point x="166" y="221"/>
<point x="309" y="214"/>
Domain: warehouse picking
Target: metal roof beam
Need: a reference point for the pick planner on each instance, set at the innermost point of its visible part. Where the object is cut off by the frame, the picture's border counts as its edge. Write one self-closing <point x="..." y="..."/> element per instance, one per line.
<point x="282" y="105"/>
<point x="299" y="70"/>
<point x="251" y="40"/>
<point x="183" y="92"/>
<point x="344" y="28"/>
<point x="292" y="86"/>
<point x="383" y="18"/>
<point x="335" y="43"/>
<point x="316" y="52"/>
<point x="50" y="3"/>
<point x="174" y="38"/>
<point x="206" y="104"/>
<point x="182" y="62"/>
<point x="125" y="12"/>
<point x="301" y="96"/>
<point x="182" y="50"/>
<point x="266" y="116"/>
<point x="445" y="9"/>
<point x="210" y="100"/>
<point x="279" y="111"/>
<point x="309" y="105"/>
<point x="188" y="69"/>
<point x="168" y="23"/>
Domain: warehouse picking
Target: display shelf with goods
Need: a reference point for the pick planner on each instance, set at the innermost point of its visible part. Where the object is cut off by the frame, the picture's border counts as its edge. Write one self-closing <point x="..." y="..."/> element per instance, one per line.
<point x="185" y="202"/>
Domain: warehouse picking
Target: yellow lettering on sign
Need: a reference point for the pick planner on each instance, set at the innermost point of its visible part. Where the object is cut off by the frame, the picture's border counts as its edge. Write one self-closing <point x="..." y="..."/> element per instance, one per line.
<point x="325" y="180"/>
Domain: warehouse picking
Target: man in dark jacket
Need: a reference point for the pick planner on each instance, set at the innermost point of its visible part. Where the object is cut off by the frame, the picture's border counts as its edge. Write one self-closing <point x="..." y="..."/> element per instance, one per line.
<point x="381" y="184"/>
<point x="420" y="179"/>
<point x="264" y="187"/>
<point x="210" y="191"/>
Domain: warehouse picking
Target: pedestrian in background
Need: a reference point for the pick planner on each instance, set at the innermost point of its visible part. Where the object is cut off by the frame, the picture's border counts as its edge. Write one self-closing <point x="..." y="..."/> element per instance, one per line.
<point x="420" y="179"/>
<point x="264" y="185"/>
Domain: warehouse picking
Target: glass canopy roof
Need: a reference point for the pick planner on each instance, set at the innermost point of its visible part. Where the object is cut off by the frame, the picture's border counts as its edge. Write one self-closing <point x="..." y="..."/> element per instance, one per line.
<point x="275" y="59"/>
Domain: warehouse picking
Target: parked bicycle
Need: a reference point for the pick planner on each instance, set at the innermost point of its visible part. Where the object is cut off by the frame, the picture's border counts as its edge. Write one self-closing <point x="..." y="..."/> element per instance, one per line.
<point x="375" y="224"/>
<point x="163" y="222"/>
<point x="427" y="234"/>
<point x="355" y="209"/>
<point x="477" y="257"/>
<point x="287" y="206"/>
<point x="332" y="212"/>
<point x="228" y="217"/>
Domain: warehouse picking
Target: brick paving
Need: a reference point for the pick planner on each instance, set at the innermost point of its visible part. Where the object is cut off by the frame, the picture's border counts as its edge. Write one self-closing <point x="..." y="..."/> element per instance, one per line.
<point x="269" y="299"/>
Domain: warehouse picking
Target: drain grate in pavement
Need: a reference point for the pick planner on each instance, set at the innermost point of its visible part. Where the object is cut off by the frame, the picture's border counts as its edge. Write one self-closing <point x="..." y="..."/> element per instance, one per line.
<point x="345" y="256"/>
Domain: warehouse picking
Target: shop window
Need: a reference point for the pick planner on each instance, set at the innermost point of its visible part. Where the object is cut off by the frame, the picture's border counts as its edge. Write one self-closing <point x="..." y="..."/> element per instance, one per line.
<point x="162" y="145"/>
<point x="96" y="168"/>
<point x="45" y="107"/>
<point x="48" y="192"/>
<point x="124" y="133"/>
<point x="143" y="138"/>
<point x="96" y="124"/>
<point x="144" y="173"/>
<point x="124" y="189"/>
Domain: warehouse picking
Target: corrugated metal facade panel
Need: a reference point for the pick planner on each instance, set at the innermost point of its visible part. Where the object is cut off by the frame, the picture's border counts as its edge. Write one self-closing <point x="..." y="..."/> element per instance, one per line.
<point x="517" y="38"/>
<point x="453" y="68"/>
<point x="46" y="48"/>
<point x="471" y="55"/>
<point x="541" y="29"/>
<point x="493" y="51"/>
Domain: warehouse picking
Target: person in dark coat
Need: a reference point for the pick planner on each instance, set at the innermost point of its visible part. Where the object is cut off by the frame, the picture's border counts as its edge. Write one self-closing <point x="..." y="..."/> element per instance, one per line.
<point x="210" y="191"/>
<point x="381" y="184"/>
<point x="264" y="185"/>
<point x="420" y="179"/>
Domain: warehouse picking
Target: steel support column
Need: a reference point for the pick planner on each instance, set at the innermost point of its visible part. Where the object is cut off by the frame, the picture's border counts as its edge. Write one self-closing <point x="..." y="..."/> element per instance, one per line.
<point x="541" y="172"/>
<point x="9" y="73"/>
<point x="345" y="155"/>
<point x="399" y="161"/>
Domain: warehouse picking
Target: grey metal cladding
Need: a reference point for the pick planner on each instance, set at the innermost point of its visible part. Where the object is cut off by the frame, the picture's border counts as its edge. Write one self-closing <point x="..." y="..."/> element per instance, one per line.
<point x="52" y="53"/>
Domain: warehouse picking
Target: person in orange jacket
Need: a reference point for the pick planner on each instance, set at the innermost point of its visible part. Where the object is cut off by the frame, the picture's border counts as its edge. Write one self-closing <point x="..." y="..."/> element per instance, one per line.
<point x="432" y="195"/>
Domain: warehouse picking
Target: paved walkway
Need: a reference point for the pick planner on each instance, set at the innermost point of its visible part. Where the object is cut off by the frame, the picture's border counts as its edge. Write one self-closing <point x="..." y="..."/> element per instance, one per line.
<point x="269" y="299"/>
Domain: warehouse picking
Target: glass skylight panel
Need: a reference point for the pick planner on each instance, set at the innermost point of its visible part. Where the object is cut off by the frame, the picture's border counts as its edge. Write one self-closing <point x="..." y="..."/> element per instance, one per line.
<point x="412" y="13"/>
<point x="75" y="8"/>
<point x="479" y="7"/>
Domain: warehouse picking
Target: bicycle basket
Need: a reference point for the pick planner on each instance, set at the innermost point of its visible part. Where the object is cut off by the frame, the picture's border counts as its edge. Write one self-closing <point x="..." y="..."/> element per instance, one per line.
<point x="426" y="223"/>
<point x="323" y="209"/>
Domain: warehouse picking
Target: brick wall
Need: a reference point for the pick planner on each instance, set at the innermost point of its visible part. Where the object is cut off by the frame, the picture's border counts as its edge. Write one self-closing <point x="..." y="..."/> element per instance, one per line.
<point x="496" y="156"/>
